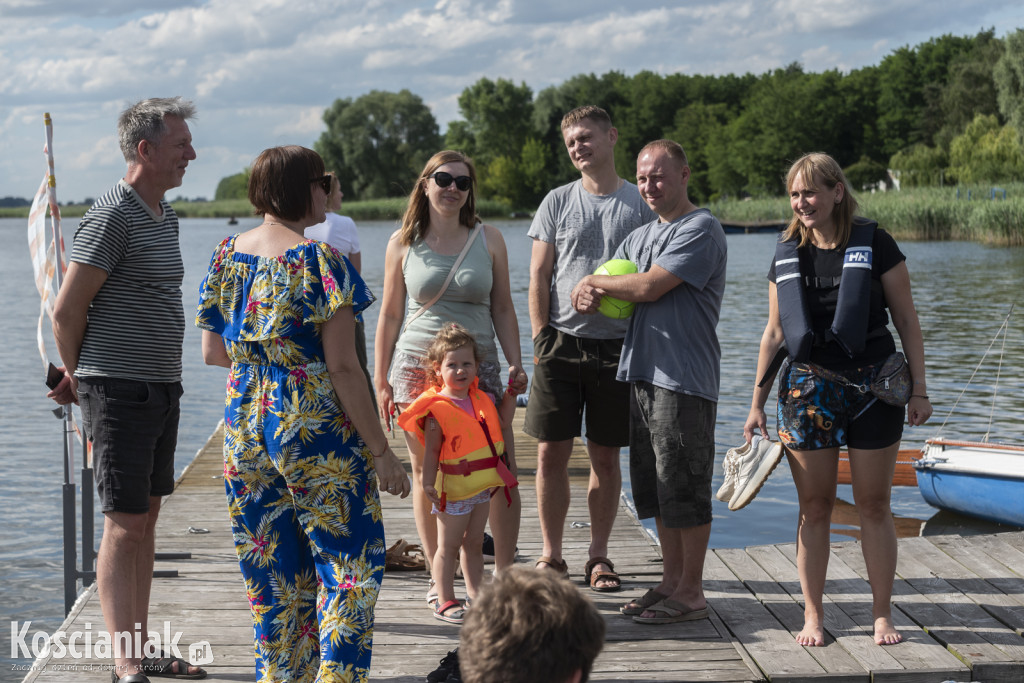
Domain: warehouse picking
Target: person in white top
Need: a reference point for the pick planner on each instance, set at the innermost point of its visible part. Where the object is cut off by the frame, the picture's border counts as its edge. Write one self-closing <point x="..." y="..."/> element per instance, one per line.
<point x="340" y="232"/>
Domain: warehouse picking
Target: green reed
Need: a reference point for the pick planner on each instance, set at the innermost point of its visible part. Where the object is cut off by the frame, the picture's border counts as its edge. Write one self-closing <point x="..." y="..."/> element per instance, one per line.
<point x="915" y="214"/>
<point x="370" y="210"/>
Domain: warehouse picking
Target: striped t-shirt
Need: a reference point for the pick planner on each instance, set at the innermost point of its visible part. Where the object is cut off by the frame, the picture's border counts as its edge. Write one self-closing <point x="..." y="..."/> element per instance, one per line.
<point x="136" y="320"/>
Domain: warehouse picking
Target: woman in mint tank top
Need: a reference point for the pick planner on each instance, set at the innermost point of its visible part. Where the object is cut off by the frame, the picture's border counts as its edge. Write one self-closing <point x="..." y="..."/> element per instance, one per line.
<point x="438" y="222"/>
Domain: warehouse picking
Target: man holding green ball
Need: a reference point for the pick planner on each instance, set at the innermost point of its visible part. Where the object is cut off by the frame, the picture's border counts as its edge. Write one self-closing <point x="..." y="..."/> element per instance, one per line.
<point x="672" y="358"/>
<point x="578" y="227"/>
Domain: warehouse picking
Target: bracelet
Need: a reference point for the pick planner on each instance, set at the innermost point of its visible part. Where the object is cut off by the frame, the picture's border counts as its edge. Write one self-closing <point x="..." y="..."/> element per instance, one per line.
<point x="924" y="396"/>
<point x="383" y="452"/>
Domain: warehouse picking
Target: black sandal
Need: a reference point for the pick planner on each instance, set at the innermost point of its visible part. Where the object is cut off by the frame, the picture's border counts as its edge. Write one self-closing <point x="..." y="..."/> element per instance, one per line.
<point x="164" y="666"/>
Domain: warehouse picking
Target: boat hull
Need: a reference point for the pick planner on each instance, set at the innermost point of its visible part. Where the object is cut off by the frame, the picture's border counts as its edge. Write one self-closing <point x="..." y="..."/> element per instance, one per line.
<point x="977" y="479"/>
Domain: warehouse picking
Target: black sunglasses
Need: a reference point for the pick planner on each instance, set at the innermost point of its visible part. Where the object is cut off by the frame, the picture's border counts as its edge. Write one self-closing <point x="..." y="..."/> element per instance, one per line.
<point x="463" y="182"/>
<point x="325" y="182"/>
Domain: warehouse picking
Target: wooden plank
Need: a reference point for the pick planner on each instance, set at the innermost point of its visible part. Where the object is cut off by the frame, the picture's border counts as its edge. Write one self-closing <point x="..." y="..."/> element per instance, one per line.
<point x="833" y="657"/>
<point x="767" y="642"/>
<point x="838" y="624"/>
<point x="919" y="657"/>
<point x="754" y="598"/>
<point x="969" y="632"/>
<point x="1007" y="608"/>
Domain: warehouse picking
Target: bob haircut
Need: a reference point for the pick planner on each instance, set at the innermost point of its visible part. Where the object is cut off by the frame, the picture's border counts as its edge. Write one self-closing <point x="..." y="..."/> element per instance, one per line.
<point x="417" y="213"/>
<point x="280" y="182"/>
<point x="588" y="111"/>
<point x="820" y="171"/>
<point x="451" y="337"/>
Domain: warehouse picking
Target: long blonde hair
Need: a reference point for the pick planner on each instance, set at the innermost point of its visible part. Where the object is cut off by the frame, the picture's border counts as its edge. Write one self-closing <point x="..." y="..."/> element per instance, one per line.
<point x="417" y="213"/>
<point x="814" y="168"/>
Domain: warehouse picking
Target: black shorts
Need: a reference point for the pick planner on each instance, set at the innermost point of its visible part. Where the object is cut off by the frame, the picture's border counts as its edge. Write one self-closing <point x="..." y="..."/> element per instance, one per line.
<point x="672" y="455"/>
<point x="133" y="427"/>
<point x="570" y="374"/>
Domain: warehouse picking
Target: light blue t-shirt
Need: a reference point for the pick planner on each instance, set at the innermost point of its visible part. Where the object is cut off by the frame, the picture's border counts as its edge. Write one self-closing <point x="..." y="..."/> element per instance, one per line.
<point x="672" y="342"/>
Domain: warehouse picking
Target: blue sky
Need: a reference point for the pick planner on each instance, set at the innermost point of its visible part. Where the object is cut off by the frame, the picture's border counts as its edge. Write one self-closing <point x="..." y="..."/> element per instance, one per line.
<point x="262" y="71"/>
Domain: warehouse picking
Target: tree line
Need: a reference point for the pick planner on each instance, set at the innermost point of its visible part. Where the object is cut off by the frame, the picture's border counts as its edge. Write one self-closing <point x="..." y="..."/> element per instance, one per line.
<point x="946" y="111"/>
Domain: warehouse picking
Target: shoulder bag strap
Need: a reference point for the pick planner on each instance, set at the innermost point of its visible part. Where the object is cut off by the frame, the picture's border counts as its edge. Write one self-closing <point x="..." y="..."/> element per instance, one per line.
<point x="448" y="280"/>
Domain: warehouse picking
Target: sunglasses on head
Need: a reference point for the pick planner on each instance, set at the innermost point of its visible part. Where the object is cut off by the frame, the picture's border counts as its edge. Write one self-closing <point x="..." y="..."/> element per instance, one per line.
<point x="463" y="182"/>
<point x="325" y="182"/>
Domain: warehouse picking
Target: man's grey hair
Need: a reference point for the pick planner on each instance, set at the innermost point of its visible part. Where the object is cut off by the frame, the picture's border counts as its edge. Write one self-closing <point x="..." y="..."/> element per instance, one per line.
<point x="145" y="121"/>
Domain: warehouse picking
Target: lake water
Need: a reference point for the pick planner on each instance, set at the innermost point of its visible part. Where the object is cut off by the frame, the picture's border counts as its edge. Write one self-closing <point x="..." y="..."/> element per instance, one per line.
<point x="962" y="291"/>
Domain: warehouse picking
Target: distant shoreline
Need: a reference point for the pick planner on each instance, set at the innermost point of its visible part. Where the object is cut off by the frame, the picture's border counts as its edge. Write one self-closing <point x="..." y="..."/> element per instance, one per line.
<point x="975" y="214"/>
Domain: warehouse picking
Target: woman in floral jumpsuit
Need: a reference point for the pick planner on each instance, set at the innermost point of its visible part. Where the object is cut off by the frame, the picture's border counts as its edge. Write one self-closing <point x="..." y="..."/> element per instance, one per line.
<point x="301" y="472"/>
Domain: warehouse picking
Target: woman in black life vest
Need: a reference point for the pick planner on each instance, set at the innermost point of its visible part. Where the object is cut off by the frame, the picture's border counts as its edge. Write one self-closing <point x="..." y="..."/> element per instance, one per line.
<point x="833" y="278"/>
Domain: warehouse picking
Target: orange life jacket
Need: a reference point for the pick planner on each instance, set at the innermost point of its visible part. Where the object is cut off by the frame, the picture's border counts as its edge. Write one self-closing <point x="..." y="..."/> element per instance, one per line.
<point x="472" y="457"/>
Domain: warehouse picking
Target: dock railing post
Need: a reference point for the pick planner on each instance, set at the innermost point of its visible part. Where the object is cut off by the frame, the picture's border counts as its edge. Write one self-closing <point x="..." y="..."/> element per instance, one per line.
<point x="70" y="535"/>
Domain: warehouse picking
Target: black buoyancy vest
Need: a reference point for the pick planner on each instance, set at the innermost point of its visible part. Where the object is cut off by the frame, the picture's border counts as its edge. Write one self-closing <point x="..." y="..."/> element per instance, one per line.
<point x="850" y="324"/>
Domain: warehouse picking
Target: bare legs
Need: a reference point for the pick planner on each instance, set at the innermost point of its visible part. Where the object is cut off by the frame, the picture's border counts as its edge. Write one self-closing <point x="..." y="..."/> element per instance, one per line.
<point x="124" y="576"/>
<point x="453" y="532"/>
<point x="504" y="519"/>
<point x="425" y="524"/>
<point x="872" y="485"/>
<point x="553" y="495"/>
<point x="683" y="552"/>
<point x="814" y="473"/>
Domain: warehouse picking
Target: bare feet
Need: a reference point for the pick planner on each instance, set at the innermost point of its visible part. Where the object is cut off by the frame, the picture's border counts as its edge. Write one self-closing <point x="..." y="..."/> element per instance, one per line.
<point x="812" y="635"/>
<point x="885" y="632"/>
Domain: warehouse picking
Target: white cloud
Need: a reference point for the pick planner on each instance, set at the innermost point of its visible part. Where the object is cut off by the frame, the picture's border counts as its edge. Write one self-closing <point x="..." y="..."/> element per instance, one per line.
<point x="262" y="71"/>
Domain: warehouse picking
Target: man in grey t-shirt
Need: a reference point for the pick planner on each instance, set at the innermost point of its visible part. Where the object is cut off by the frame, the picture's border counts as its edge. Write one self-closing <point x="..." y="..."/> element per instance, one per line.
<point x="671" y="357"/>
<point x="119" y="323"/>
<point x="577" y="228"/>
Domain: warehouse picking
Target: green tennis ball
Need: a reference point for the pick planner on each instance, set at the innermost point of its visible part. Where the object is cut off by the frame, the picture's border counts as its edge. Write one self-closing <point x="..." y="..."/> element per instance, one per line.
<point x="610" y="306"/>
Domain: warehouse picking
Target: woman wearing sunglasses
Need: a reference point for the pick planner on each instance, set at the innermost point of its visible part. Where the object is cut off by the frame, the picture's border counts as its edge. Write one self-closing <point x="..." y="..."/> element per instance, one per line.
<point x="439" y="223"/>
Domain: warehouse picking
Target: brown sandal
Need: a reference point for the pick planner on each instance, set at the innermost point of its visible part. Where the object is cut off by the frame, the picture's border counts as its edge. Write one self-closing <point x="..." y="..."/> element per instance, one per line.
<point x="551" y="564"/>
<point x="592" y="576"/>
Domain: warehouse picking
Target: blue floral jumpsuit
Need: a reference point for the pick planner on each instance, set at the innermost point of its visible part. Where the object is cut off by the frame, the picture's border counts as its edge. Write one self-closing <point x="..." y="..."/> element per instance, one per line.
<point x="300" y="483"/>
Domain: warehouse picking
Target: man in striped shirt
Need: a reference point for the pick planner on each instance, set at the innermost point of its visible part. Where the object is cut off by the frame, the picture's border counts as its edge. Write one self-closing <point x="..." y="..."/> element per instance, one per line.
<point x="119" y="325"/>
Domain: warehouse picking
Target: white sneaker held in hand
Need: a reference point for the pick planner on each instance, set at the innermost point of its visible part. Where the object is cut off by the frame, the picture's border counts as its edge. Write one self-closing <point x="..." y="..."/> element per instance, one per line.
<point x="731" y="467"/>
<point x="756" y="461"/>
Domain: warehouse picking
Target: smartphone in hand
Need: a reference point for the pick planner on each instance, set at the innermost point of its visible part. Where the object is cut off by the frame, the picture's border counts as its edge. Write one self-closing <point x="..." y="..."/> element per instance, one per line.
<point x="53" y="376"/>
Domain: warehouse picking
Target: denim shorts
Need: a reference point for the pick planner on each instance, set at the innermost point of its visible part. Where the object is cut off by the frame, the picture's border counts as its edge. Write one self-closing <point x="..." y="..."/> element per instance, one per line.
<point x="133" y="427"/>
<point x="571" y="374"/>
<point x="409" y="378"/>
<point x="816" y="413"/>
<point x="671" y="455"/>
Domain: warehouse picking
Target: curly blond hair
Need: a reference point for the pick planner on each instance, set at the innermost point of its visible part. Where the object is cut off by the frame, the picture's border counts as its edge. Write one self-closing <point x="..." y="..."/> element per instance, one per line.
<point x="451" y="337"/>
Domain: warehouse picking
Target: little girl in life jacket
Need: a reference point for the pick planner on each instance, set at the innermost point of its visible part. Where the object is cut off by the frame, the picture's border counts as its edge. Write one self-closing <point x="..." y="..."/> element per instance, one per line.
<point x="464" y="462"/>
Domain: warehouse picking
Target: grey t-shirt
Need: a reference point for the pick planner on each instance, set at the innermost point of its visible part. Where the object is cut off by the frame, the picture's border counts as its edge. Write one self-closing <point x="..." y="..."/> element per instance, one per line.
<point x="672" y="342"/>
<point x="585" y="229"/>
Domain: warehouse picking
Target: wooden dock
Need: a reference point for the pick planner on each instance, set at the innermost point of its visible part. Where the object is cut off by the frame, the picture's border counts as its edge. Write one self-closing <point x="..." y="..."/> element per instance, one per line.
<point x="959" y="602"/>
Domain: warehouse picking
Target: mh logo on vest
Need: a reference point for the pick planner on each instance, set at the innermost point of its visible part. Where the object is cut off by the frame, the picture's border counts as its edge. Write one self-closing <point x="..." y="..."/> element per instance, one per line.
<point x="858" y="257"/>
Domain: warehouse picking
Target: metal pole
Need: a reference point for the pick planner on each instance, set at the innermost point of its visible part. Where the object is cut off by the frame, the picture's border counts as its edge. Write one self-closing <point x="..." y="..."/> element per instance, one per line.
<point x="70" y="535"/>
<point x="88" y="573"/>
